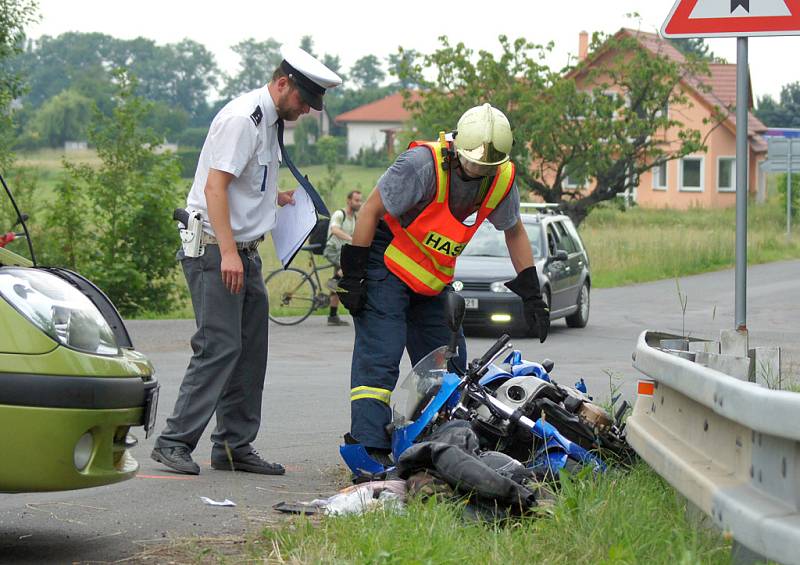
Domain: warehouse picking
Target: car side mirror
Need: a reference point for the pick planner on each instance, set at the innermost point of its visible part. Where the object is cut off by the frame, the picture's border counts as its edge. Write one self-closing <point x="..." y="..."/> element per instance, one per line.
<point x="560" y="255"/>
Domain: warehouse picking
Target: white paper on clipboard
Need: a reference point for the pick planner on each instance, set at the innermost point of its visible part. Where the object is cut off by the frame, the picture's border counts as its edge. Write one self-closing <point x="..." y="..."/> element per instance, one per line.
<point x="294" y="224"/>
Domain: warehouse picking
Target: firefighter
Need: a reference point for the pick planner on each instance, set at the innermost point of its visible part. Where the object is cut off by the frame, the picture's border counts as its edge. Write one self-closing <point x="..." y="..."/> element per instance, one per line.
<point x="409" y="233"/>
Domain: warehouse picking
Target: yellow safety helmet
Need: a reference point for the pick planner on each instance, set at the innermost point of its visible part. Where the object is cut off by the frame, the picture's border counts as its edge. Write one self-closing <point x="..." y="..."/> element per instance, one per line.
<point x="484" y="136"/>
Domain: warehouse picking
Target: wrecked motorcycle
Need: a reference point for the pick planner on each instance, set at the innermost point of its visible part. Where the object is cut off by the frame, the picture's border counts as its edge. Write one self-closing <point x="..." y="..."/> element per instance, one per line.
<point x="513" y="406"/>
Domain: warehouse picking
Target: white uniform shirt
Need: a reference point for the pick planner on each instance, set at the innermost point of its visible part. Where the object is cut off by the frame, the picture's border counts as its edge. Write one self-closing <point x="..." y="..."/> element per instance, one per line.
<point x="243" y="141"/>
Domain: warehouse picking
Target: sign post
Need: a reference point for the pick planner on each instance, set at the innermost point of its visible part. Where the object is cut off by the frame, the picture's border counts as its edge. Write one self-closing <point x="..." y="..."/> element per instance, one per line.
<point x="740" y="19"/>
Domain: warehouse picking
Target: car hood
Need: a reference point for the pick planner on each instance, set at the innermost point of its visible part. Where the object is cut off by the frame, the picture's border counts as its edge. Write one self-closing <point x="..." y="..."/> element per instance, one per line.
<point x="476" y="268"/>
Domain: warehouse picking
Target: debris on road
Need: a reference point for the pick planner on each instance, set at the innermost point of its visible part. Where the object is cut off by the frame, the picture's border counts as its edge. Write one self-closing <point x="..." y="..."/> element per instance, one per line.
<point x="355" y="499"/>
<point x="210" y="502"/>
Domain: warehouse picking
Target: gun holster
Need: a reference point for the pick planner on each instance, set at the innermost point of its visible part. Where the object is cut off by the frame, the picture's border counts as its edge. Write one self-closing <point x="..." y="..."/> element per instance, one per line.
<point x="190" y="226"/>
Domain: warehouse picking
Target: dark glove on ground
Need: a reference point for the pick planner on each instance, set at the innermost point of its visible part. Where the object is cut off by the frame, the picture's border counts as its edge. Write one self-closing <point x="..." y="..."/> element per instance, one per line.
<point x="537" y="313"/>
<point x="352" y="289"/>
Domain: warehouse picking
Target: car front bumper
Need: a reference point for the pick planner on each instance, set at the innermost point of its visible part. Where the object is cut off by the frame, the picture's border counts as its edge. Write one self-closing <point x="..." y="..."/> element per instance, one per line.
<point x="495" y="312"/>
<point x="64" y="433"/>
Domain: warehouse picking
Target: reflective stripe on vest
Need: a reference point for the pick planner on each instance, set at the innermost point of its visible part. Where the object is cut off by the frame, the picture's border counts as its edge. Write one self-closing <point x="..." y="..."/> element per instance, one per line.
<point x="423" y="254"/>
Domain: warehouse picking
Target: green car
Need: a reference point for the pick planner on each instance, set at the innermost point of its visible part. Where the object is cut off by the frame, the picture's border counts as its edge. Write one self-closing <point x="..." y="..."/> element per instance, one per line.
<point x="71" y="384"/>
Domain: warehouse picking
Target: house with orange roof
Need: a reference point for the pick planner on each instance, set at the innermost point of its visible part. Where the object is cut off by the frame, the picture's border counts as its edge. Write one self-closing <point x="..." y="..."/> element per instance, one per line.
<point x="706" y="179"/>
<point x="374" y="126"/>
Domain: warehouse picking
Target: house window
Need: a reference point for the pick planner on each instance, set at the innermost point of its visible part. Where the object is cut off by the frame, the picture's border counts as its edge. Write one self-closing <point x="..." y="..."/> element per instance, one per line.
<point x="691" y="170"/>
<point x="726" y="174"/>
<point x="572" y="179"/>
<point x="664" y="111"/>
<point x="660" y="177"/>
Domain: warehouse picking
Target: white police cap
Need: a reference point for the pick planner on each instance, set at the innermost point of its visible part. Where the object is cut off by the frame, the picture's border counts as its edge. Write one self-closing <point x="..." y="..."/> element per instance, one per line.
<point x="310" y="76"/>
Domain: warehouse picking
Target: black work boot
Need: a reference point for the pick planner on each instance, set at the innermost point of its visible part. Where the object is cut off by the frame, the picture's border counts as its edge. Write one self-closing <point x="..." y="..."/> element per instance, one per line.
<point x="337" y="321"/>
<point x="176" y="458"/>
<point x="251" y="463"/>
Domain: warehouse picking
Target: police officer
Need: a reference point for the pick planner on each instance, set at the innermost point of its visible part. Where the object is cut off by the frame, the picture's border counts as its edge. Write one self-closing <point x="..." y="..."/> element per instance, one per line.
<point x="236" y="190"/>
<point x="402" y="256"/>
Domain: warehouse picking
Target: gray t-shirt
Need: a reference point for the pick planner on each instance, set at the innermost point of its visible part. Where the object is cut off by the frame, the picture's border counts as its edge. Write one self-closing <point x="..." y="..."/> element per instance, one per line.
<point x="409" y="185"/>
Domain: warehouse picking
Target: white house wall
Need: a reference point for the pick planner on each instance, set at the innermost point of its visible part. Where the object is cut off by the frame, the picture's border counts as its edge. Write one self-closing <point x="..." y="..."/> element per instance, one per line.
<point x="367" y="135"/>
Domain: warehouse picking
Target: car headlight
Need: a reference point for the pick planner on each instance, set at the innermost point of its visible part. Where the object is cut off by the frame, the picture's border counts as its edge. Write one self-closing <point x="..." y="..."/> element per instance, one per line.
<point x="499" y="286"/>
<point x="58" y="309"/>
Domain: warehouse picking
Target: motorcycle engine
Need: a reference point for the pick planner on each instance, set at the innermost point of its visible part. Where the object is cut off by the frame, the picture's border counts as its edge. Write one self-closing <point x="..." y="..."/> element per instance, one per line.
<point x="515" y="393"/>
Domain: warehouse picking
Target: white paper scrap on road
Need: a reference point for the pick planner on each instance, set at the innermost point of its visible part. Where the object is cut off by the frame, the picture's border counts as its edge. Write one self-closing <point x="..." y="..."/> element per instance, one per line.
<point x="294" y="224"/>
<point x="210" y="502"/>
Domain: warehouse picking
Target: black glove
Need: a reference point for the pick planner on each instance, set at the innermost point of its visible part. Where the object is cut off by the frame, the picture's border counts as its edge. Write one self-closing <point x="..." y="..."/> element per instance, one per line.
<point x="352" y="289"/>
<point x="537" y="313"/>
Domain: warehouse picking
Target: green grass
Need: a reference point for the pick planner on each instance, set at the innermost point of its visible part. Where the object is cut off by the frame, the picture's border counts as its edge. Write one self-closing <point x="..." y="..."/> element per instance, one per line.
<point x="619" y="517"/>
<point x="642" y="245"/>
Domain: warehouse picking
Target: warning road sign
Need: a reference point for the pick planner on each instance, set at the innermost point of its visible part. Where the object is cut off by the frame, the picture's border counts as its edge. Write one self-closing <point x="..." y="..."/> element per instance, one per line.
<point x="732" y="18"/>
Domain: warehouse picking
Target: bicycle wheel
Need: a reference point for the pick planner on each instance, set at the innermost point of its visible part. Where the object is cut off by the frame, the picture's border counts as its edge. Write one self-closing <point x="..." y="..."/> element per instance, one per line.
<point x="291" y="296"/>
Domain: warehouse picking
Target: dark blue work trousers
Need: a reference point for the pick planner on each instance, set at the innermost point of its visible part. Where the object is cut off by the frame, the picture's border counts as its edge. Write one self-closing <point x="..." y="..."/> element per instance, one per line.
<point x="394" y="319"/>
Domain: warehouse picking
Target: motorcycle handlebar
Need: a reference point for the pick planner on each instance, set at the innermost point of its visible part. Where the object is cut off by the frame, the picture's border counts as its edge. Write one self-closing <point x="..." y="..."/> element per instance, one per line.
<point x="480" y="364"/>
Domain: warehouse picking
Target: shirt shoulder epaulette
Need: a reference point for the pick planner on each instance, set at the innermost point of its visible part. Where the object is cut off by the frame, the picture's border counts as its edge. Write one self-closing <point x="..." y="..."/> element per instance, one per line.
<point x="257" y="116"/>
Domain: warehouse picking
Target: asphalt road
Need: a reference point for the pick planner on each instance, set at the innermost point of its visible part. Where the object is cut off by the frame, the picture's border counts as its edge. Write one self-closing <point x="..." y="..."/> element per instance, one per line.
<point x="306" y="411"/>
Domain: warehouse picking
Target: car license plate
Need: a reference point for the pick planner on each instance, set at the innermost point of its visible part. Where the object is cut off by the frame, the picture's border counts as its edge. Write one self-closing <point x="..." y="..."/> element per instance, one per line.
<point x="471" y="303"/>
<point x="150" y="409"/>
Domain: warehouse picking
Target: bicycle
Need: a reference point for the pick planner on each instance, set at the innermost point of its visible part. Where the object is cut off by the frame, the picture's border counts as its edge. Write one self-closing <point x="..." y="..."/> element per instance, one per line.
<point x="294" y="294"/>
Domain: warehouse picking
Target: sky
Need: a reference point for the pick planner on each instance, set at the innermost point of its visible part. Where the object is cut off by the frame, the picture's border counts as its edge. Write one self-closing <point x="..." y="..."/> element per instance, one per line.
<point x="355" y="28"/>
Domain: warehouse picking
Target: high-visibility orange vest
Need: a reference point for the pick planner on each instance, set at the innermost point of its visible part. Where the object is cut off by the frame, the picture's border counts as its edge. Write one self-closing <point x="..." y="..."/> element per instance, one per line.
<point x="423" y="254"/>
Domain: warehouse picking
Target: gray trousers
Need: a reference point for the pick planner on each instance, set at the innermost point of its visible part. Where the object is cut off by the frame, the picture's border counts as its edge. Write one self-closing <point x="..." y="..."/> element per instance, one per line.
<point x="226" y="373"/>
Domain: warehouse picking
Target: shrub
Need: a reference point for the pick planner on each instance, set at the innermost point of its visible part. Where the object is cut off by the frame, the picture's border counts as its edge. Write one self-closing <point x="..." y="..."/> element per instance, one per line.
<point x="125" y="242"/>
<point x="192" y="138"/>
<point x="187" y="158"/>
<point x="368" y="157"/>
<point x="795" y="192"/>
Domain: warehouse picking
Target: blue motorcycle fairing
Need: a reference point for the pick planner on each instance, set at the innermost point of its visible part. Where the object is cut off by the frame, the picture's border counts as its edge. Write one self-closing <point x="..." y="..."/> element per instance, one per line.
<point x="494" y="374"/>
<point x="530" y="368"/>
<point x="361" y="464"/>
<point x="554" y="439"/>
<point x="514" y="357"/>
<point x="404" y="436"/>
<point x="547" y="459"/>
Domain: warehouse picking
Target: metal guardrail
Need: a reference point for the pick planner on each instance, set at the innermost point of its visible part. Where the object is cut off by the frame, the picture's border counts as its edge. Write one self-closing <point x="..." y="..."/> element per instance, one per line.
<point x="731" y="447"/>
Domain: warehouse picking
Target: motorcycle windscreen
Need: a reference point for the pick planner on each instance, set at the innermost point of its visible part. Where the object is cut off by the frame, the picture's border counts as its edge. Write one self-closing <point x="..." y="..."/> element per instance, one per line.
<point x="417" y="389"/>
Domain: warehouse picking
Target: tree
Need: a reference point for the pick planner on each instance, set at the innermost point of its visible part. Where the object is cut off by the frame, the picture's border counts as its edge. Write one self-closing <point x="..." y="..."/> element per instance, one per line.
<point x="63" y="118"/>
<point x="306" y="132"/>
<point x="367" y="73"/>
<point x="14" y="16"/>
<point x="180" y="75"/>
<point x="399" y="65"/>
<point x="785" y="112"/>
<point x="560" y="129"/>
<point x="129" y="249"/>
<point x="307" y="45"/>
<point x="330" y="151"/>
<point x="696" y="47"/>
<point x="258" y="59"/>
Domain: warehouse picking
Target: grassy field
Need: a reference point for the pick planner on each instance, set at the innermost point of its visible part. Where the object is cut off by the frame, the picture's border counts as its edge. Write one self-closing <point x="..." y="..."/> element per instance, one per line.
<point x="642" y="245"/>
<point x="620" y="517"/>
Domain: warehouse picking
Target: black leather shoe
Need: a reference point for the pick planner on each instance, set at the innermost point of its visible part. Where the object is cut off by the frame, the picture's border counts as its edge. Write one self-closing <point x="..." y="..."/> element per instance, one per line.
<point x="250" y="463"/>
<point x="176" y="458"/>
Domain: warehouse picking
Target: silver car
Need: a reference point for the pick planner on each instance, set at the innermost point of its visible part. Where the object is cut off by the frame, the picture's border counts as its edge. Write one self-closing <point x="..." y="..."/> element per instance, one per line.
<point x="561" y="262"/>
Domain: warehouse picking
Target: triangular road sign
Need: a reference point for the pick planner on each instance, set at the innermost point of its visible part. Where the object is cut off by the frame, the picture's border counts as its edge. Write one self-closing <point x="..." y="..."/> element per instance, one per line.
<point x="732" y="18"/>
